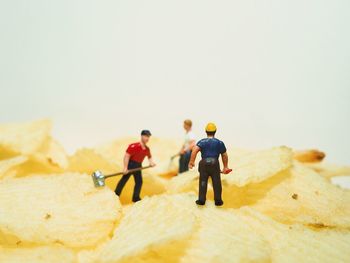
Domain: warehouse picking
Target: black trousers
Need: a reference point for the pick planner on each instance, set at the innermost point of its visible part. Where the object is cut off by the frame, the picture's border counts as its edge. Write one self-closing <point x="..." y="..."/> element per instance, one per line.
<point x="209" y="168"/>
<point x="184" y="161"/>
<point x="137" y="178"/>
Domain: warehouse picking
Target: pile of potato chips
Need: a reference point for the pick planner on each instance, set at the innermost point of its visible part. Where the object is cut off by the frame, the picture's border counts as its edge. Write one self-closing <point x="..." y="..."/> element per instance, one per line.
<point x="280" y="206"/>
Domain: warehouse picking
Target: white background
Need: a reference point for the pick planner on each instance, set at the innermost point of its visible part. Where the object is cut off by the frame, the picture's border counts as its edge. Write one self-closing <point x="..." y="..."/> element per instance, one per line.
<point x="267" y="72"/>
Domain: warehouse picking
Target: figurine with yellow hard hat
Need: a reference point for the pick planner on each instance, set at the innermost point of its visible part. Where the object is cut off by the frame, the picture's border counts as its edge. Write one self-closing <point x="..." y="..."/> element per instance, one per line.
<point x="211" y="149"/>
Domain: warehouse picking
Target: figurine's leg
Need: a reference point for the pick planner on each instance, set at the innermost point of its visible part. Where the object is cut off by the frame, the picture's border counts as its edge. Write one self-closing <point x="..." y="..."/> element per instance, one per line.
<point x="216" y="180"/>
<point x="138" y="185"/>
<point x="121" y="184"/>
<point x="187" y="157"/>
<point x="203" y="184"/>
<point x="182" y="163"/>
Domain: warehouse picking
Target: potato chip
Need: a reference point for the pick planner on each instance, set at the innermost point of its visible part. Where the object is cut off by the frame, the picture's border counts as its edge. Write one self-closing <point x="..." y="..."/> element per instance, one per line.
<point x="297" y="243"/>
<point x="288" y="211"/>
<point x="306" y="197"/>
<point x="233" y="196"/>
<point x="49" y="158"/>
<point x="248" y="168"/>
<point x="115" y="150"/>
<point x="152" y="185"/>
<point x="236" y="197"/>
<point x="23" y="138"/>
<point x="55" y="154"/>
<point x="8" y="164"/>
<point x="65" y="209"/>
<point x="309" y="156"/>
<point x="165" y="167"/>
<point x="88" y="160"/>
<point x="329" y="170"/>
<point x="155" y="229"/>
<point x="42" y="254"/>
<point x="153" y="178"/>
<point x="37" y="164"/>
<point x="224" y="237"/>
<point x="258" y="166"/>
<point x="184" y="182"/>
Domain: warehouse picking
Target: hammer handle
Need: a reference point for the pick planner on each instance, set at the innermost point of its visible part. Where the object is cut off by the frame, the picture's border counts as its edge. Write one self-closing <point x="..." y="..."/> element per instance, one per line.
<point x="129" y="171"/>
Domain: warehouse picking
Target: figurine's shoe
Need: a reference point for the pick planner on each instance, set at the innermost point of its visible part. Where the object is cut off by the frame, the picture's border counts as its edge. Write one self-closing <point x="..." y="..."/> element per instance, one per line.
<point x="219" y="202"/>
<point x="136" y="199"/>
<point x="199" y="202"/>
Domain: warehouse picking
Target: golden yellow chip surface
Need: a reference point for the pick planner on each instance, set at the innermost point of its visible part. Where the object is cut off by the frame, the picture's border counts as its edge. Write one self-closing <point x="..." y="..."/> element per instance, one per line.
<point x="279" y="205"/>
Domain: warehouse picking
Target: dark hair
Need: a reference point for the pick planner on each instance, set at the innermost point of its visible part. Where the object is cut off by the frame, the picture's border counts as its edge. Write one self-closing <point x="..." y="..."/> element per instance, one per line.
<point x="211" y="133"/>
<point x="146" y="132"/>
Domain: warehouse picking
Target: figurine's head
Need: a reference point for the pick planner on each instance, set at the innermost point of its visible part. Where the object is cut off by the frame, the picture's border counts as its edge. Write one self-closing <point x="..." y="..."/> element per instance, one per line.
<point x="145" y="136"/>
<point x="187" y="125"/>
<point x="210" y="129"/>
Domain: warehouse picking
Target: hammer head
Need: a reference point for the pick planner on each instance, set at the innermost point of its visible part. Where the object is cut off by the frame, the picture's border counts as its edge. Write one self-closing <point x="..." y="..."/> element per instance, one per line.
<point x="98" y="179"/>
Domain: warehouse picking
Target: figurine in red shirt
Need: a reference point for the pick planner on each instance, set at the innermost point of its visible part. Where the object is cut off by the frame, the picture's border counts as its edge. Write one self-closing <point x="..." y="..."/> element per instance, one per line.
<point x="134" y="156"/>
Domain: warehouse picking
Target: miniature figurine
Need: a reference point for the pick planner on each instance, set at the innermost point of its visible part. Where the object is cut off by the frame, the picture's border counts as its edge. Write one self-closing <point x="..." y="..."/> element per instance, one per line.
<point x="186" y="149"/>
<point x="210" y="148"/>
<point x="134" y="156"/>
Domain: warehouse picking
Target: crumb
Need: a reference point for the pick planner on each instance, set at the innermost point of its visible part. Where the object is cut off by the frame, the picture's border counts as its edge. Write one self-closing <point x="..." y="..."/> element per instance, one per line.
<point x="295" y="196"/>
<point x="320" y="225"/>
<point x="57" y="241"/>
<point x="52" y="162"/>
<point x="47" y="216"/>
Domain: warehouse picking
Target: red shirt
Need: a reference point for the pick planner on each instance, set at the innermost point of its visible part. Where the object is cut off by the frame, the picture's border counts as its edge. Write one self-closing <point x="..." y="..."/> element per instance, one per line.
<point x="137" y="153"/>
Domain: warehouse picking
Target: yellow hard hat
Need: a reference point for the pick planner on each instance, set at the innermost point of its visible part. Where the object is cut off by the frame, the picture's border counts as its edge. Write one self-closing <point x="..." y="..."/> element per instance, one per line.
<point x="211" y="127"/>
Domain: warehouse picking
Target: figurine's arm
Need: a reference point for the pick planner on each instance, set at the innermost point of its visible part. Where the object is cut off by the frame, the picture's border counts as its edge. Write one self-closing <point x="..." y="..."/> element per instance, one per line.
<point x="224" y="158"/>
<point x="191" y="144"/>
<point x="126" y="162"/>
<point x="151" y="162"/>
<point x="195" y="151"/>
<point x="182" y="150"/>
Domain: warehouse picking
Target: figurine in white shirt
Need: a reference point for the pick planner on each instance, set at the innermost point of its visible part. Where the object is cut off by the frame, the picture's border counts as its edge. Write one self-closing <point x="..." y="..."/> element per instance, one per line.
<point x="186" y="149"/>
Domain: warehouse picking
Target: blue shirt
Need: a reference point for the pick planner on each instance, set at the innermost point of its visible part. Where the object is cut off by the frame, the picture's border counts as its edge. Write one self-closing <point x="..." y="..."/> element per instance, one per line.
<point x="211" y="148"/>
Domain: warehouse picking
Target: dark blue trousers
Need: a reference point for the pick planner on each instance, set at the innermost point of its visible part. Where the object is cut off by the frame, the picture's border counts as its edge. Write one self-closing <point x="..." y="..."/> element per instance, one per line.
<point x="184" y="161"/>
<point x="137" y="178"/>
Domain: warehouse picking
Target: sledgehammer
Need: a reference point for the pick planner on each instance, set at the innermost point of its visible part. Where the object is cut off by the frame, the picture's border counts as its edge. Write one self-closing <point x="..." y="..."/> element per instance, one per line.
<point x="100" y="180"/>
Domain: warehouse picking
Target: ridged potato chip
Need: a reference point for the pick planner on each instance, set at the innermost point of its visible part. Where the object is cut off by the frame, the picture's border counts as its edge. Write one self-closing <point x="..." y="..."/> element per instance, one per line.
<point x="155" y="229"/>
<point x="246" y="235"/>
<point x="154" y="178"/>
<point x="287" y="210"/>
<point x="165" y="167"/>
<point x="258" y="166"/>
<point x="37" y="164"/>
<point x="329" y="170"/>
<point x="249" y="169"/>
<point x="306" y="197"/>
<point x="8" y="164"/>
<point x="89" y="160"/>
<point x="23" y="138"/>
<point x="115" y="150"/>
<point x="55" y="153"/>
<point x="44" y="254"/>
<point x="252" y="167"/>
<point x="65" y="209"/>
<point x="224" y="237"/>
<point x="152" y="185"/>
<point x="297" y="243"/>
<point x="184" y="183"/>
